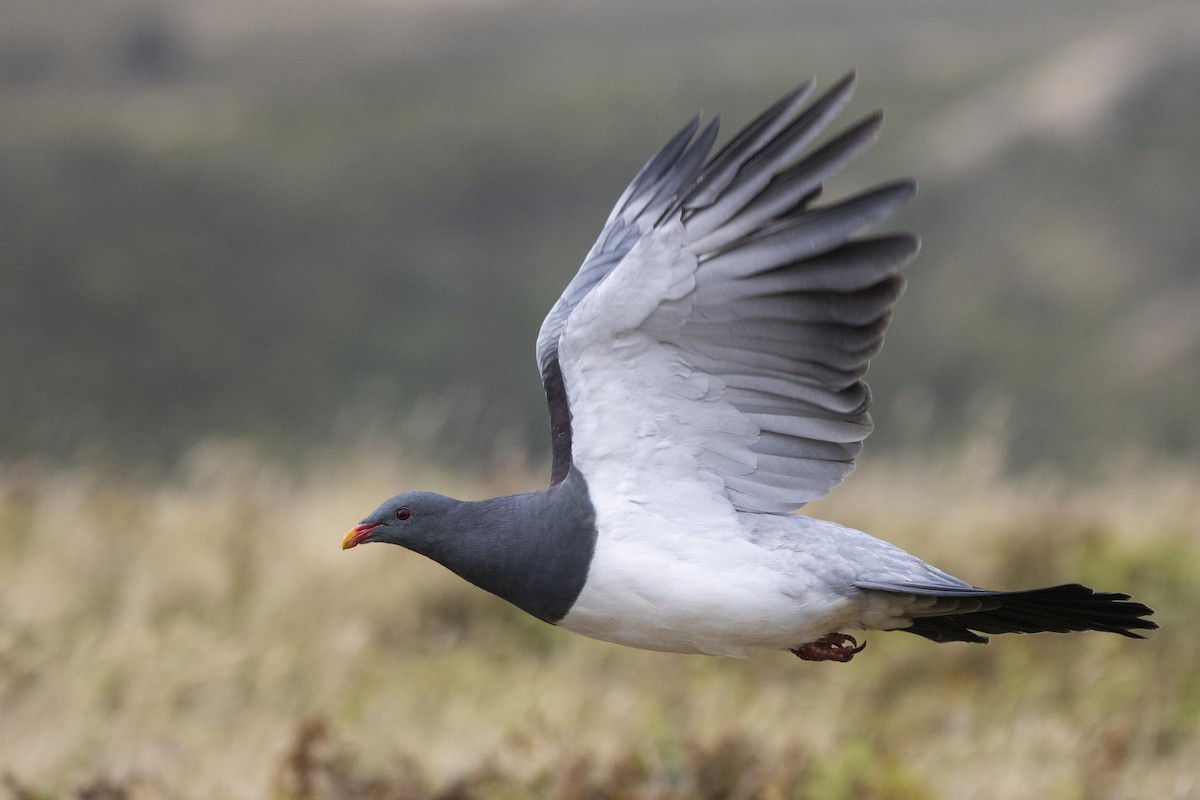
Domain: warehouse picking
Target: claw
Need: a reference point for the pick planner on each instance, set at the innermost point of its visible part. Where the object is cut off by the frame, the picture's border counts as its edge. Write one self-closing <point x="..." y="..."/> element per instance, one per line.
<point x="834" y="647"/>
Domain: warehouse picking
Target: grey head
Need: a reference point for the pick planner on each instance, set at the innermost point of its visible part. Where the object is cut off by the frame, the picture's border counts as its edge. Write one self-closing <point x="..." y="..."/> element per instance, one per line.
<point x="415" y="520"/>
<point x="532" y="549"/>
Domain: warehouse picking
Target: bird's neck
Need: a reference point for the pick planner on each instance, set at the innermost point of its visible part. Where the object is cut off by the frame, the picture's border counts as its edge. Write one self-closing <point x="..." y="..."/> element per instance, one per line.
<point x="532" y="550"/>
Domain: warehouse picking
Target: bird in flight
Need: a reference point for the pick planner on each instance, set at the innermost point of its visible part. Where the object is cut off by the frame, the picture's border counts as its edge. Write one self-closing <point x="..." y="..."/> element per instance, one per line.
<point x="704" y="376"/>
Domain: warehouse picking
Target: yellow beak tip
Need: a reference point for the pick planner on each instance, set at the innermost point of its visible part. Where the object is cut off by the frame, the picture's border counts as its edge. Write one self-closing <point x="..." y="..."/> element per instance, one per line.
<point x="348" y="539"/>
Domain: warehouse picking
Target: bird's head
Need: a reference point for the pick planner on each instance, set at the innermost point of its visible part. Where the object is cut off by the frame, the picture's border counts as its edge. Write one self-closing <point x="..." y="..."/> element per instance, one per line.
<point x="414" y="520"/>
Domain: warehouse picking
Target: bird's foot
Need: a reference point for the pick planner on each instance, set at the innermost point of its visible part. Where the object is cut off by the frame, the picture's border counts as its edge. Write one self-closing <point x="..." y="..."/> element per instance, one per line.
<point x="834" y="647"/>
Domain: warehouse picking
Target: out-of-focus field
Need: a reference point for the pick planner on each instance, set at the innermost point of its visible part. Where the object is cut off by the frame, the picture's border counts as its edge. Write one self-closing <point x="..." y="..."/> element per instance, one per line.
<point x="281" y="220"/>
<point x="203" y="637"/>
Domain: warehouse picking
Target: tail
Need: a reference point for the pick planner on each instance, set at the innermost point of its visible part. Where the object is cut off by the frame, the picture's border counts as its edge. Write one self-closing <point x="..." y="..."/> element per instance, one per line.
<point x="954" y="614"/>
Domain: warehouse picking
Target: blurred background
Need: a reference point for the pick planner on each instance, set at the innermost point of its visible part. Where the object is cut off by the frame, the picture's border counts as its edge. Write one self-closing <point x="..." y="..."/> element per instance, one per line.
<point x="304" y="223"/>
<point x="266" y="263"/>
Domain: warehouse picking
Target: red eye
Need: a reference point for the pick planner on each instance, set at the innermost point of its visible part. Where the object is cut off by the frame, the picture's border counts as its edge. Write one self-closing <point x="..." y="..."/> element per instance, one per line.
<point x="403" y="513"/>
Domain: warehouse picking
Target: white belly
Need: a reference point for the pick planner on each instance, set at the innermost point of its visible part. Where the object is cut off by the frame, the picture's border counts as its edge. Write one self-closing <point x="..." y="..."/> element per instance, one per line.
<point x="685" y="586"/>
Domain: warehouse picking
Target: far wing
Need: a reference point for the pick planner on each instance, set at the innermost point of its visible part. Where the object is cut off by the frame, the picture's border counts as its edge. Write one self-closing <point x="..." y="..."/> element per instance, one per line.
<point x="718" y="332"/>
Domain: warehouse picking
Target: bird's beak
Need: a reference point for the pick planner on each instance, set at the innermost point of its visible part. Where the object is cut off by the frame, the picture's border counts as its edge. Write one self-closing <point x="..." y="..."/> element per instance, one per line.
<point x="355" y="535"/>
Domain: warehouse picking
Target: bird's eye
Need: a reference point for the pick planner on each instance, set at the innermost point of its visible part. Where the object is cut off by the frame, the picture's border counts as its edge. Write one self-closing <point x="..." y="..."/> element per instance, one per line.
<point x="403" y="513"/>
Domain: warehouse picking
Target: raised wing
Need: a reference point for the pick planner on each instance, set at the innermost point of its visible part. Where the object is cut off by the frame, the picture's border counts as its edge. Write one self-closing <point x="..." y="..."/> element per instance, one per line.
<point x="672" y="169"/>
<point x="718" y="332"/>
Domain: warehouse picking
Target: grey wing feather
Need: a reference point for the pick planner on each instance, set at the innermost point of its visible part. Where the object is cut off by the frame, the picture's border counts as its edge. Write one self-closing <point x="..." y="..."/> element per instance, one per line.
<point x="788" y="308"/>
<point x="657" y="183"/>
<point x="727" y="163"/>
<point x="787" y="302"/>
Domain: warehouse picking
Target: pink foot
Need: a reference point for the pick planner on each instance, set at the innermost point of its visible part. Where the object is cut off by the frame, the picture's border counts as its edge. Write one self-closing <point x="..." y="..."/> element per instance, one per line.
<point x="834" y="647"/>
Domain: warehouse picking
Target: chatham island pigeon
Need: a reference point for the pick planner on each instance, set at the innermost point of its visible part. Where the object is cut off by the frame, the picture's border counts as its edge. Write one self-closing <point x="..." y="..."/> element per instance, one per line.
<point x="704" y="375"/>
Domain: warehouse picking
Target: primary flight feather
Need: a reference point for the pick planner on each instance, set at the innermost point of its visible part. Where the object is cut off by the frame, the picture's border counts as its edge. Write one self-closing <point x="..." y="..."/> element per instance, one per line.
<point x="703" y="371"/>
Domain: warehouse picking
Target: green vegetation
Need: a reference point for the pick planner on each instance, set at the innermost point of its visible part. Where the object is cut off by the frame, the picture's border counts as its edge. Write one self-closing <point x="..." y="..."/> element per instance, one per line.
<point x="204" y="637"/>
<point x="309" y="225"/>
<point x="292" y="225"/>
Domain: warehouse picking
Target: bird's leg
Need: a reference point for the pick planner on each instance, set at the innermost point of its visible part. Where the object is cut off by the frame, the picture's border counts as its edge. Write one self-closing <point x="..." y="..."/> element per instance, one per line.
<point x="833" y="647"/>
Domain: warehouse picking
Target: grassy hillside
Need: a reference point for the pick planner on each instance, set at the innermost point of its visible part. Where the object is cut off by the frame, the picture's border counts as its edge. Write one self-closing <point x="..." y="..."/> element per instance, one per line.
<point x="302" y="224"/>
<point x="296" y="222"/>
<point x="203" y="637"/>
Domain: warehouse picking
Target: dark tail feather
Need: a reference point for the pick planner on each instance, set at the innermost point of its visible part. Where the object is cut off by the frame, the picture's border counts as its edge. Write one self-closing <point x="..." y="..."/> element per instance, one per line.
<point x="1057" y="609"/>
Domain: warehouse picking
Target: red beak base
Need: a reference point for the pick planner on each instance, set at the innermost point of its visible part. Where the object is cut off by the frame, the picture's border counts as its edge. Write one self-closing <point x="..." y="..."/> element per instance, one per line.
<point x="357" y="534"/>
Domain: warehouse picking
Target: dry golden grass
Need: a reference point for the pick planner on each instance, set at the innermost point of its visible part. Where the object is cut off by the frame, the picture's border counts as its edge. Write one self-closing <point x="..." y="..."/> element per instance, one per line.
<point x="204" y="637"/>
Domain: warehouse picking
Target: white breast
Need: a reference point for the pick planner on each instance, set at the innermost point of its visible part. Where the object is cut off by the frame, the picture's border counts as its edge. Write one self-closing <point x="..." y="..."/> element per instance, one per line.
<point x="690" y="581"/>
